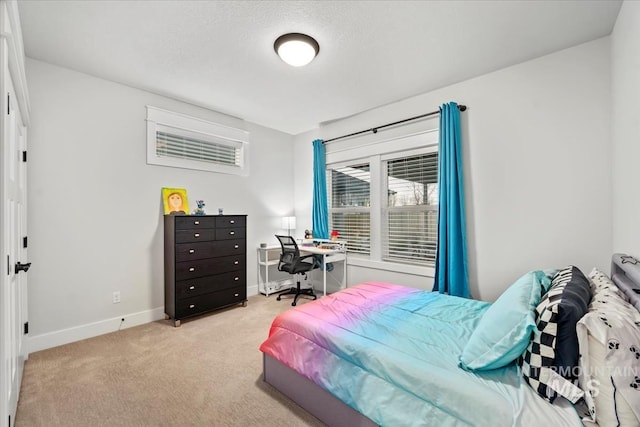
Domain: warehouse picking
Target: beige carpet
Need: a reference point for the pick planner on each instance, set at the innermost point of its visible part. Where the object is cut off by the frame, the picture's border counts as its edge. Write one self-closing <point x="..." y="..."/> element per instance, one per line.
<point x="205" y="373"/>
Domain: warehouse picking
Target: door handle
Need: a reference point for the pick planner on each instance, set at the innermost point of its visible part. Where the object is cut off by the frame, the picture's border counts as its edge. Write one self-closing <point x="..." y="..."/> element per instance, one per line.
<point x="22" y="267"/>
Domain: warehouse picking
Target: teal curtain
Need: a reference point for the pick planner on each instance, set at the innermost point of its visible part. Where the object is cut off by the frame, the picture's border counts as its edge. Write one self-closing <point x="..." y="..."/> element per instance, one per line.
<point x="320" y="214"/>
<point x="451" y="256"/>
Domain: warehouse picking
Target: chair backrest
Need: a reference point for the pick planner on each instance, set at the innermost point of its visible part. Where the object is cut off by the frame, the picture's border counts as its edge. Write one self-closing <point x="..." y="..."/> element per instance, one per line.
<point x="290" y="254"/>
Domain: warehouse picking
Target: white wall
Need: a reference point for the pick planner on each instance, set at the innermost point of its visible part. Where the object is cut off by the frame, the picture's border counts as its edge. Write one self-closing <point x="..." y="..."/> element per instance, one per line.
<point x="625" y="129"/>
<point x="95" y="213"/>
<point x="538" y="166"/>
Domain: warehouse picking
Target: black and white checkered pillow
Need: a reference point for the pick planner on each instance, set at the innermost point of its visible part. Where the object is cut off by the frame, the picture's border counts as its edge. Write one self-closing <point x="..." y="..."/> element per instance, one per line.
<point x="538" y="363"/>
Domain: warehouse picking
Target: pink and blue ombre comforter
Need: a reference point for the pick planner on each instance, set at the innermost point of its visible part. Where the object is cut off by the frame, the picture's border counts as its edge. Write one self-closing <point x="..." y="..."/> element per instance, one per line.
<point x="391" y="353"/>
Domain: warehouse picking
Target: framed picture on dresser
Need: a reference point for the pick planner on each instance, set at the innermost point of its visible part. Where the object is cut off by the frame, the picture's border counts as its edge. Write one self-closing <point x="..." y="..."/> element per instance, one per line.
<point x="174" y="201"/>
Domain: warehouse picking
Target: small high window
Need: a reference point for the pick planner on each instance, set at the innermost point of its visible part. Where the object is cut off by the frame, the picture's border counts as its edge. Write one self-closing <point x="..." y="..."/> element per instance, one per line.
<point x="180" y="141"/>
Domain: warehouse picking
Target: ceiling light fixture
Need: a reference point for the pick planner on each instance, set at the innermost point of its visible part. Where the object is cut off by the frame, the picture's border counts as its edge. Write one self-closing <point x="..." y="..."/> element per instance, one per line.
<point x="296" y="49"/>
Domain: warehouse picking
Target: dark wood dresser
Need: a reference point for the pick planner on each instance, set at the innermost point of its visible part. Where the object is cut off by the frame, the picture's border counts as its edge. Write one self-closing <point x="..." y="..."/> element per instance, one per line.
<point x="204" y="264"/>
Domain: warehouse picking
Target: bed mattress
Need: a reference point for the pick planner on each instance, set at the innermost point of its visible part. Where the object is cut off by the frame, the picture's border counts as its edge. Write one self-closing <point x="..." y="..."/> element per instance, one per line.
<point x="391" y="353"/>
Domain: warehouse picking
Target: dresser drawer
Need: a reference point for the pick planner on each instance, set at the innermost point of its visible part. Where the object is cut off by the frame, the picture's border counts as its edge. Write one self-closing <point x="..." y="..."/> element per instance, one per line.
<point x="195" y="268"/>
<point x="229" y="263"/>
<point x="194" y="222"/>
<point x="200" y="250"/>
<point x="185" y="236"/>
<point x="207" y="284"/>
<point x="202" y="303"/>
<point x="205" y="267"/>
<point x="230" y="247"/>
<point x="230" y="221"/>
<point x="230" y="233"/>
<point x="195" y="250"/>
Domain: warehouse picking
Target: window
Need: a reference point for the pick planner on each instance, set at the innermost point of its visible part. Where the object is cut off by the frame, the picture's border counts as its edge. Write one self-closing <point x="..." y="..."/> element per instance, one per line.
<point x="350" y="203"/>
<point x="384" y="202"/>
<point x="411" y="212"/>
<point x="186" y="142"/>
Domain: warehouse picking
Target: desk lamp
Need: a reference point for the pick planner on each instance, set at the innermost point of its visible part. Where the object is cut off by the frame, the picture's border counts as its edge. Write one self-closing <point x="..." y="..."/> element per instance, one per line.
<point x="289" y="222"/>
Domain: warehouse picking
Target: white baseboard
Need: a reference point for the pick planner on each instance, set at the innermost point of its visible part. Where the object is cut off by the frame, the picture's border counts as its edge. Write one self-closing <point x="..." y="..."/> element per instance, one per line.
<point x="90" y="330"/>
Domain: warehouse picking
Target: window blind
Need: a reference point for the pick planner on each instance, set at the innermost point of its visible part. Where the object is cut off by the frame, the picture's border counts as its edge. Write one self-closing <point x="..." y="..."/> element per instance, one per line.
<point x="349" y="204"/>
<point x="219" y="152"/>
<point x="411" y="211"/>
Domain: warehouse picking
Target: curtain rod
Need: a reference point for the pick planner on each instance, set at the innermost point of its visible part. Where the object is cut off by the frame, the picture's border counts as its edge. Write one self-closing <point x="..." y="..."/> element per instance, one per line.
<point x="375" y="129"/>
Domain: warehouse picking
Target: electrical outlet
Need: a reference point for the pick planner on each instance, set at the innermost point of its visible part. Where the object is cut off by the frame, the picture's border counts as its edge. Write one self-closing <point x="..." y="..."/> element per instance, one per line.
<point x="116" y="297"/>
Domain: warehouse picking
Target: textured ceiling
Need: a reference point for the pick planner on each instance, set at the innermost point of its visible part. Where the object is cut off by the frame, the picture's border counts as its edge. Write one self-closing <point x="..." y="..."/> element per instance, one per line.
<point x="219" y="54"/>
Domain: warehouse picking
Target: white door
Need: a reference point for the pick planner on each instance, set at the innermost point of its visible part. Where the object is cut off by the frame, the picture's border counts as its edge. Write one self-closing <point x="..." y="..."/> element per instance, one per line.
<point x="13" y="295"/>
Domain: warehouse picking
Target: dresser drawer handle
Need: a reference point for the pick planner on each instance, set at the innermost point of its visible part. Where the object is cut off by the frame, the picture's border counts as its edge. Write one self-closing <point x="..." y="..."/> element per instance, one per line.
<point x="192" y="269"/>
<point x="236" y="262"/>
<point x="192" y="287"/>
<point x="192" y="306"/>
<point x="196" y="235"/>
<point x="192" y="251"/>
<point x="232" y="232"/>
<point x="235" y="295"/>
<point x="232" y="222"/>
<point x="236" y="247"/>
<point x="236" y="278"/>
<point x="196" y="222"/>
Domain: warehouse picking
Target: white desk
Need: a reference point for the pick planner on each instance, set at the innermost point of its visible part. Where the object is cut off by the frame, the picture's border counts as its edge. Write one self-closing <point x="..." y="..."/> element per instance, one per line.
<point x="266" y="257"/>
<point x="328" y="255"/>
<point x="271" y="256"/>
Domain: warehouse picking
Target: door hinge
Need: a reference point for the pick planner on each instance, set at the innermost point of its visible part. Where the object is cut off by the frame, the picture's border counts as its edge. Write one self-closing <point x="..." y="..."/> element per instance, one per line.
<point x="26" y="328"/>
<point x="24" y="242"/>
<point x="24" y="156"/>
<point x="8" y="103"/>
<point x="8" y="266"/>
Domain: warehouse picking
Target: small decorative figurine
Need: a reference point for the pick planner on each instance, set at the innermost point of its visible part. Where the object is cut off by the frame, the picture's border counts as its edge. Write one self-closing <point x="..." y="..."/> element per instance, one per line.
<point x="308" y="234"/>
<point x="334" y="235"/>
<point x="200" y="209"/>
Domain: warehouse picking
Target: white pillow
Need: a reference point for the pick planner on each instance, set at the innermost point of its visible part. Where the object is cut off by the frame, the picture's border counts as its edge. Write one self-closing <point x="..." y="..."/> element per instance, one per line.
<point x="600" y="282"/>
<point x="605" y="337"/>
<point x="606" y="401"/>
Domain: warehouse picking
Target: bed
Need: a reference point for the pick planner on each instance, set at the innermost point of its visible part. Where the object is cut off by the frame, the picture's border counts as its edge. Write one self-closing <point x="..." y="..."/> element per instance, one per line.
<point x="383" y="354"/>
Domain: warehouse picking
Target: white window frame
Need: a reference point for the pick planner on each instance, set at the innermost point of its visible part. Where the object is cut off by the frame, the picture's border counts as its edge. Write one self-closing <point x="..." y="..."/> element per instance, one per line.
<point x="159" y="120"/>
<point x="376" y="151"/>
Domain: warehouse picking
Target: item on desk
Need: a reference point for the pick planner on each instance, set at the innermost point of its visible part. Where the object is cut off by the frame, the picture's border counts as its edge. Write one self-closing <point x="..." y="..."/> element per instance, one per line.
<point x="263" y="245"/>
<point x="220" y="211"/>
<point x="332" y="246"/>
<point x="308" y="234"/>
<point x="334" y="234"/>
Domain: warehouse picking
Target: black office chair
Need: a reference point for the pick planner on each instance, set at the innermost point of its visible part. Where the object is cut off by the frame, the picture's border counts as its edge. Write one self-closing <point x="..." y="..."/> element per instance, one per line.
<point x="292" y="263"/>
